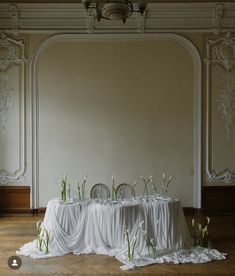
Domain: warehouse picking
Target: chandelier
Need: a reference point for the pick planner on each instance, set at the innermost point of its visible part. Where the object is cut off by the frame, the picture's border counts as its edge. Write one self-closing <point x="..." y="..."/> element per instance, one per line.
<point x="113" y="9"/>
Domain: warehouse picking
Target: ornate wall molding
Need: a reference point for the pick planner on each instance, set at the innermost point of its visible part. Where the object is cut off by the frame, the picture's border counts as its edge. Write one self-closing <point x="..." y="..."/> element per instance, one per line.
<point x="15" y="15"/>
<point x="218" y="13"/>
<point x="72" y="17"/>
<point x="141" y="22"/>
<point x="117" y="37"/>
<point x="12" y="53"/>
<point x="221" y="51"/>
<point x="6" y="101"/>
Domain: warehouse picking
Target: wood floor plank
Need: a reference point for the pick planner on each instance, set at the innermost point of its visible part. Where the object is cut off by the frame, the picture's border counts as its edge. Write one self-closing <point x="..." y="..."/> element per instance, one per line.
<point x="16" y="231"/>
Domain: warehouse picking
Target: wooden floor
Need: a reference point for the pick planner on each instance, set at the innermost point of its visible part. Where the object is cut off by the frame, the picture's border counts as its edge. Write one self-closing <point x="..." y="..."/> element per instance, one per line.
<point x="15" y="231"/>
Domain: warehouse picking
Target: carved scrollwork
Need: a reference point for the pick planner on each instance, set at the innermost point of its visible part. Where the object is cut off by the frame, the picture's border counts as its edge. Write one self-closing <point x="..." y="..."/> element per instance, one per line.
<point x="5" y="177"/>
<point x="15" y="14"/>
<point x="221" y="51"/>
<point x="226" y="101"/>
<point x="11" y="53"/>
<point x="90" y="21"/>
<point x="226" y="176"/>
<point x="217" y="16"/>
<point x="141" y="22"/>
<point x="5" y="93"/>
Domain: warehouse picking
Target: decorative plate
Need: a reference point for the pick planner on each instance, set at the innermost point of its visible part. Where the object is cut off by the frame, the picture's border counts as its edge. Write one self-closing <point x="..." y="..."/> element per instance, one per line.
<point x="124" y="191"/>
<point x="100" y="191"/>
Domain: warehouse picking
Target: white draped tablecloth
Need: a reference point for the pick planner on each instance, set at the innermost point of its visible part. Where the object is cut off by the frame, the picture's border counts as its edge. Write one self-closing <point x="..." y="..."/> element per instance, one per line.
<point x="97" y="226"/>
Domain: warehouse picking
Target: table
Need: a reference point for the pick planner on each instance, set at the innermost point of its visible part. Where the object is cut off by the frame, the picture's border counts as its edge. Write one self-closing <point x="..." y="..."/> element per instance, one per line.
<point x="97" y="226"/>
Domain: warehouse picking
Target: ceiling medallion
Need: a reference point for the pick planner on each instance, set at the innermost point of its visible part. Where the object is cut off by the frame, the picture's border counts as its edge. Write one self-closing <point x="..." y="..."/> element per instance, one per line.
<point x="113" y="9"/>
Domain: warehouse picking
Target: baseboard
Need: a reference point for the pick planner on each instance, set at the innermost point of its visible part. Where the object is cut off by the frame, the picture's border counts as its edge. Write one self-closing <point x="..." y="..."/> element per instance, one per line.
<point x="15" y="211"/>
<point x="15" y="200"/>
<point x="42" y="211"/>
<point x="218" y="200"/>
<point x="189" y="211"/>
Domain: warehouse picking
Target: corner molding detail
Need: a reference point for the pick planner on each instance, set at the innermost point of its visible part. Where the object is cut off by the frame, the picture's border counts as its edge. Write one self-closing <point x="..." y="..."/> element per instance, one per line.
<point x="12" y="53"/>
<point x="226" y="176"/>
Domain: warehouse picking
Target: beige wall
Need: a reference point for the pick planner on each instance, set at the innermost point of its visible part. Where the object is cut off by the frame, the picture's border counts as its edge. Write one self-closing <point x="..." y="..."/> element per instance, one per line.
<point x="122" y="108"/>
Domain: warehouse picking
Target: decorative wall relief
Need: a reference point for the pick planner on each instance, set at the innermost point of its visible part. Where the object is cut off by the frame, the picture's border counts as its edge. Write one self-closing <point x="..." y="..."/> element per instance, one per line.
<point x="220" y="52"/>
<point x="217" y="16"/>
<point x="223" y="53"/>
<point x="5" y="99"/>
<point x="12" y="54"/>
<point x="9" y="55"/>
<point x="15" y="18"/>
<point x="226" y="101"/>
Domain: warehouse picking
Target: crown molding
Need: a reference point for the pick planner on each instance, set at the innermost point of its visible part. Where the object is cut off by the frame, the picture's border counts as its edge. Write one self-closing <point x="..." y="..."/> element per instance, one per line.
<point x="160" y="17"/>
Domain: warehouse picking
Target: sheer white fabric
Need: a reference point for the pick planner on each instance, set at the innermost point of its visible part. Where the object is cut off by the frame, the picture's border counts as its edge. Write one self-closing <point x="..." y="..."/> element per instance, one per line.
<point x="95" y="226"/>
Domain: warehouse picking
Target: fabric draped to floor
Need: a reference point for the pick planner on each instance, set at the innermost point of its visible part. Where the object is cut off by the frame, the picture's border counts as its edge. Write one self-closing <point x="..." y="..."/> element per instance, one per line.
<point x="97" y="226"/>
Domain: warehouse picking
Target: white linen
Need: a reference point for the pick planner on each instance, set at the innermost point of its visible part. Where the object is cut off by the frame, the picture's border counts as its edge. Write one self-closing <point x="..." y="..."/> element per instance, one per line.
<point x="95" y="226"/>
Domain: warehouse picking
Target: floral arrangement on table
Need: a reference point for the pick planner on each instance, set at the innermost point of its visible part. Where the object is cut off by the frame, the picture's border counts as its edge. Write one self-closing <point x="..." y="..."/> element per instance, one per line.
<point x="132" y="186"/>
<point x="165" y="185"/>
<point x="82" y="188"/>
<point x="148" y="181"/>
<point x="201" y="234"/>
<point x="114" y="189"/>
<point x="63" y="188"/>
<point x="151" y="245"/>
<point x="43" y="237"/>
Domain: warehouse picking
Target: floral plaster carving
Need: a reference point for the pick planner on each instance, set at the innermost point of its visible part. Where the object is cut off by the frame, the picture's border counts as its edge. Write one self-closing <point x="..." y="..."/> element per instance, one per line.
<point x="223" y="53"/>
<point x="11" y="53"/>
<point x="6" y="101"/>
<point x="5" y="93"/>
<point x="226" y="176"/>
<point x="218" y="13"/>
<point x="226" y="101"/>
